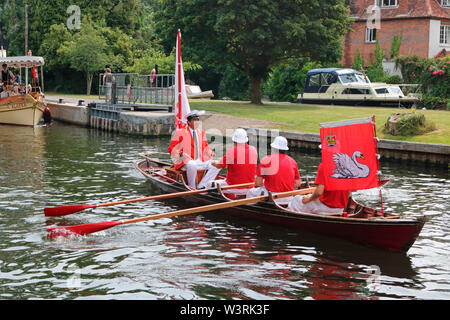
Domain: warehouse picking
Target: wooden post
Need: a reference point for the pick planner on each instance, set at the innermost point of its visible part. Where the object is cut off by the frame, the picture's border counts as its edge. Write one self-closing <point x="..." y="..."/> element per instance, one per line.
<point x="42" y="78"/>
<point x="26" y="46"/>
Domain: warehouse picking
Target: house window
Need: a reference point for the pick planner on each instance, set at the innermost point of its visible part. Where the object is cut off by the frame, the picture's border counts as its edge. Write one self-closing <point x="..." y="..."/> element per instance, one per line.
<point x="371" y="35"/>
<point x="445" y="35"/>
<point x="445" y="3"/>
<point x="389" y="3"/>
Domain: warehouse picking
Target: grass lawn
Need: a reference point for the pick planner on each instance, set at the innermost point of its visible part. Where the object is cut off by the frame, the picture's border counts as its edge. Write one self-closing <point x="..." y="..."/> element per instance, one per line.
<point x="306" y="118"/>
<point x="72" y="95"/>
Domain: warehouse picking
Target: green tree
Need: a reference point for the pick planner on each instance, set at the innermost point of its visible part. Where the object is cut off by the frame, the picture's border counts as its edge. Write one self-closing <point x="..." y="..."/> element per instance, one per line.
<point x="166" y="63"/>
<point x="57" y="35"/>
<point x="12" y="25"/>
<point x="375" y="71"/>
<point x="255" y="36"/>
<point x="395" y="46"/>
<point x="86" y="51"/>
<point x="358" y="60"/>
<point x="287" y="80"/>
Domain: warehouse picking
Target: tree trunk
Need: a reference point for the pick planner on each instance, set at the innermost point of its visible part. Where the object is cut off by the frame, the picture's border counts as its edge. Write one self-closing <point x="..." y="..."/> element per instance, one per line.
<point x="89" y="77"/>
<point x="256" y="89"/>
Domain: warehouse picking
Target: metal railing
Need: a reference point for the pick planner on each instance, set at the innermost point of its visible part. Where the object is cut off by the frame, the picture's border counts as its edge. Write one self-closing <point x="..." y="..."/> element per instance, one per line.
<point x="135" y="89"/>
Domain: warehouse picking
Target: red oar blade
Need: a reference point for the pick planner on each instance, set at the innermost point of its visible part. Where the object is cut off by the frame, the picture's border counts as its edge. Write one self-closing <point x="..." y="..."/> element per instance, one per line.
<point x="65" y="210"/>
<point x="80" y="229"/>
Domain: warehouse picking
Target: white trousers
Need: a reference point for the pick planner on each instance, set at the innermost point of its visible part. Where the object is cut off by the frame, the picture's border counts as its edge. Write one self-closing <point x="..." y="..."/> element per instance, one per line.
<point x="223" y="183"/>
<point x="191" y="171"/>
<point x="315" y="206"/>
<point x="256" y="192"/>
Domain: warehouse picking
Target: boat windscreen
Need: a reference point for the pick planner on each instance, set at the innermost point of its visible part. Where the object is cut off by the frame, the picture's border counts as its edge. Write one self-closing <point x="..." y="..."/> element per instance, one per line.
<point x="352" y="77"/>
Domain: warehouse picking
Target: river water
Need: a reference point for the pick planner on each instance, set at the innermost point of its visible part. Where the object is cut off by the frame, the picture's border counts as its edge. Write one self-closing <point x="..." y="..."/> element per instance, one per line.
<point x="204" y="256"/>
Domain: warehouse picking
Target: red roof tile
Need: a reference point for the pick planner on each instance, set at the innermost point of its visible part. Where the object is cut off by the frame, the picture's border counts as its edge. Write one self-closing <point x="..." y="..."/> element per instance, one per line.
<point x="405" y="9"/>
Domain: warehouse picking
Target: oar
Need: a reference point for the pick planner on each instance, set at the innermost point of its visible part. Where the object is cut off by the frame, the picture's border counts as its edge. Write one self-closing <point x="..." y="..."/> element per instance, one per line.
<point x="84" y="229"/>
<point x="69" y="209"/>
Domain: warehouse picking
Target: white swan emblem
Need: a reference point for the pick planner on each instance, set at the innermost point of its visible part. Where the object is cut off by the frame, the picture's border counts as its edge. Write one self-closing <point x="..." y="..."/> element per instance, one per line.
<point x="349" y="168"/>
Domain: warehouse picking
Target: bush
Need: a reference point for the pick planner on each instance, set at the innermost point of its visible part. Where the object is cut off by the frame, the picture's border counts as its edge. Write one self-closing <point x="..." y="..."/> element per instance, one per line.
<point x="286" y="81"/>
<point x="432" y="102"/>
<point x="433" y="76"/>
<point x="407" y="124"/>
<point x="395" y="79"/>
<point x="234" y="84"/>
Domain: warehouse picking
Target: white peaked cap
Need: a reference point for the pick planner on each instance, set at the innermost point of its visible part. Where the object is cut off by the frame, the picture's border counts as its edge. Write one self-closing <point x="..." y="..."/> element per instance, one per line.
<point x="280" y="143"/>
<point x="240" y="136"/>
<point x="194" y="112"/>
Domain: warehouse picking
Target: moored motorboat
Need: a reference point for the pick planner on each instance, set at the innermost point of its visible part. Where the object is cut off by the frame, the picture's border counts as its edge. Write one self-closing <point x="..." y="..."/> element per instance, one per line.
<point x="339" y="86"/>
<point x="359" y="224"/>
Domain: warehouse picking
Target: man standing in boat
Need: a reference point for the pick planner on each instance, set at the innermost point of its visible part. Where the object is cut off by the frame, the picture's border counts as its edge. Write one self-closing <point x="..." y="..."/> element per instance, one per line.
<point x="7" y="75"/>
<point x="276" y="173"/>
<point x="321" y="201"/>
<point x="190" y="152"/>
<point x="240" y="162"/>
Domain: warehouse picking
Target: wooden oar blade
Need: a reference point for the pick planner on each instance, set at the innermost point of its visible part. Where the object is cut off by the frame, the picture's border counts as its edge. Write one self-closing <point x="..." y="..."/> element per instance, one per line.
<point x="65" y="210"/>
<point x="80" y="229"/>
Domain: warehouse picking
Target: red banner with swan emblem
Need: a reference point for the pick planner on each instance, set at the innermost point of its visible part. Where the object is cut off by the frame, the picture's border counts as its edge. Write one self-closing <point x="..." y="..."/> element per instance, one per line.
<point x="349" y="154"/>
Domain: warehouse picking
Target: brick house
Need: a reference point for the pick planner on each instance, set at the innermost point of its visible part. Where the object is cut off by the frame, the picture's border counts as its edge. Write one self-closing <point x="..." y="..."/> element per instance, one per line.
<point x="423" y="24"/>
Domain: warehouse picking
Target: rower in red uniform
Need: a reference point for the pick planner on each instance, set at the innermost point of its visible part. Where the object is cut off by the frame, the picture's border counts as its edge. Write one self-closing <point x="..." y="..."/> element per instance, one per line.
<point x="240" y="162"/>
<point x="321" y="201"/>
<point x="190" y="152"/>
<point x="276" y="173"/>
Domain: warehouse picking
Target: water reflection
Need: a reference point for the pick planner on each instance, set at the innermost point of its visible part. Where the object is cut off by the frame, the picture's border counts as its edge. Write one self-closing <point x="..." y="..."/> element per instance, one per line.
<point x="278" y="263"/>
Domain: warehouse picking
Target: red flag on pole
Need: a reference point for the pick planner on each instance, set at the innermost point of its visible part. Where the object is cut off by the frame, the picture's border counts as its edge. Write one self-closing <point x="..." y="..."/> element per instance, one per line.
<point x="34" y="74"/>
<point x="182" y="107"/>
<point x="349" y="154"/>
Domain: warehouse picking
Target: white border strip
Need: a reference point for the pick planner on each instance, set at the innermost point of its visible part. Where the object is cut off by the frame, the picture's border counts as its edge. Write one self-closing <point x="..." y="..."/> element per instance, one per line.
<point x="345" y="122"/>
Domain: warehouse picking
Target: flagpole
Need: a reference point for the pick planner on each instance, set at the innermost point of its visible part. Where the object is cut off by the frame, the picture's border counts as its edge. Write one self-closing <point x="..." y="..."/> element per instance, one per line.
<point x="179" y="74"/>
<point x="378" y="162"/>
<point x="181" y="101"/>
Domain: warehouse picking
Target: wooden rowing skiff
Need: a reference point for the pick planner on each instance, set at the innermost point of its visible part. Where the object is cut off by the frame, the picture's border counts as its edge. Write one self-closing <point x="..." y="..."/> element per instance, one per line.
<point x="362" y="225"/>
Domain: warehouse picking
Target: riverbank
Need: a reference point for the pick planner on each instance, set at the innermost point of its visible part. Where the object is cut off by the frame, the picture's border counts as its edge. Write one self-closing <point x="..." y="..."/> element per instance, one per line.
<point x="306" y="118"/>
<point x="260" y="121"/>
<point x="296" y="117"/>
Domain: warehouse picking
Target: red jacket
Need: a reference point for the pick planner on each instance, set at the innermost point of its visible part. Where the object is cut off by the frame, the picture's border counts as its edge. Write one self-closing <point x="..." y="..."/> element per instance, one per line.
<point x="182" y="147"/>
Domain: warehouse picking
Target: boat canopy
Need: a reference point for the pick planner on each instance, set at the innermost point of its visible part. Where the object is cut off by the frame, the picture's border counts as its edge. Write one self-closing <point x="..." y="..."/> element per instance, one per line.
<point x="318" y="80"/>
<point x="23" y="62"/>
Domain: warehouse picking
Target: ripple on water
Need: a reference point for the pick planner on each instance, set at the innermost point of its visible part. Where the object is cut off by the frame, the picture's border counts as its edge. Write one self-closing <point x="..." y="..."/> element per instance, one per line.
<point x="198" y="256"/>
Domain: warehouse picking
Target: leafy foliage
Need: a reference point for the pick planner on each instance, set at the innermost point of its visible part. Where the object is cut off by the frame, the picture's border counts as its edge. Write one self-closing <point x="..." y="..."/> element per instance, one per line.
<point x="287" y="80"/>
<point x="395" y="46"/>
<point x="433" y="77"/>
<point x="85" y="52"/>
<point x="254" y="37"/>
<point x="148" y="59"/>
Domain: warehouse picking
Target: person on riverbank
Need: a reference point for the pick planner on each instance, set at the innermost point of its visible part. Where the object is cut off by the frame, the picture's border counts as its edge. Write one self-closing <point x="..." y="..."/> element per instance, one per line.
<point x="277" y="172"/>
<point x="108" y="78"/>
<point x="190" y="152"/>
<point x="240" y="161"/>
<point x="321" y="201"/>
<point x="153" y="74"/>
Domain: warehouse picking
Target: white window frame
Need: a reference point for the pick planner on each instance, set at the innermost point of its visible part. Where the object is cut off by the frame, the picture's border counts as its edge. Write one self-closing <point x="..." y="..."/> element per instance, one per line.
<point x="445" y="3"/>
<point x="391" y="4"/>
<point x="371" y="37"/>
<point x="444" y="35"/>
